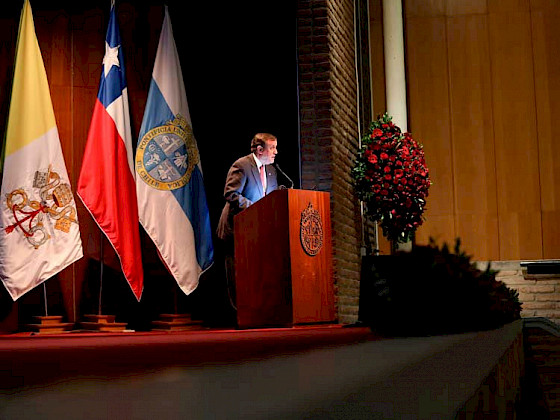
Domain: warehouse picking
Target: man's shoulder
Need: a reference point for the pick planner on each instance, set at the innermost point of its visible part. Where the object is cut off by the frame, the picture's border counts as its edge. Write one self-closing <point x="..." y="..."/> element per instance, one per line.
<point x="245" y="160"/>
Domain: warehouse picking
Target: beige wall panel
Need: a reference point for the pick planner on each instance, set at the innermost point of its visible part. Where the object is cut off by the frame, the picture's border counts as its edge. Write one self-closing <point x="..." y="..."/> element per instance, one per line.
<point x="462" y="7"/>
<point x="506" y="6"/>
<point x="384" y="244"/>
<point x="424" y="8"/>
<point x="479" y="235"/>
<point x="429" y="119"/>
<point x="548" y="5"/>
<point x="517" y="170"/>
<point x="439" y="227"/>
<point x="520" y="236"/>
<point x="472" y="132"/>
<point x="546" y="45"/>
<point x="551" y="234"/>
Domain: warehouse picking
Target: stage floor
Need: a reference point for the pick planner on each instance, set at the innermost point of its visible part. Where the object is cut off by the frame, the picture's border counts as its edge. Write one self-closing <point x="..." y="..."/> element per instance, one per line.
<point x="29" y="360"/>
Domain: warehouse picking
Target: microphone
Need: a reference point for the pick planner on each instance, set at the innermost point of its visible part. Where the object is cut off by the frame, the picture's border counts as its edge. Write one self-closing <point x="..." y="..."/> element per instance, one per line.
<point x="284" y="175"/>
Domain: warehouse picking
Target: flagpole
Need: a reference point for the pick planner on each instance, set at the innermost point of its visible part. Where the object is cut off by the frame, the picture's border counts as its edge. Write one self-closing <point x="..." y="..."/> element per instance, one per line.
<point x="45" y="298"/>
<point x="100" y="271"/>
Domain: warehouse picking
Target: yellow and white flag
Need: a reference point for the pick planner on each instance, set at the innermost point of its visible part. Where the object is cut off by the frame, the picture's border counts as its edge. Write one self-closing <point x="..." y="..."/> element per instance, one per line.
<point x="39" y="232"/>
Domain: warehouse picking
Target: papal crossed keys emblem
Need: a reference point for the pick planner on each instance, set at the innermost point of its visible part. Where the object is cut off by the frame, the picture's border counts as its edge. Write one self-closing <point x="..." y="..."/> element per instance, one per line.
<point x="55" y="205"/>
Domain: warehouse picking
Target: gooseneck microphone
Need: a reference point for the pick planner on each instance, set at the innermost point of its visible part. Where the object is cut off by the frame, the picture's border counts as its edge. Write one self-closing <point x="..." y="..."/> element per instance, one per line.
<point x="284" y="175"/>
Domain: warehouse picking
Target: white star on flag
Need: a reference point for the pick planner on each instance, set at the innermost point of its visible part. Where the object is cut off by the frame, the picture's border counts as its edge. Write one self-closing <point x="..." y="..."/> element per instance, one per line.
<point x="111" y="58"/>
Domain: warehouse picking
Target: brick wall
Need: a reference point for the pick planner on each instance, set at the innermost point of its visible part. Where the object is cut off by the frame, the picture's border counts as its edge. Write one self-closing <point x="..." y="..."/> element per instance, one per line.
<point x="329" y="133"/>
<point x="538" y="293"/>
<point x="498" y="394"/>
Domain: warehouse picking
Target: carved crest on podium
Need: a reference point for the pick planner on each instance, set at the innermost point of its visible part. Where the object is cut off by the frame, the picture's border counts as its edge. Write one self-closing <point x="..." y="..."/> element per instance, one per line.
<point x="311" y="230"/>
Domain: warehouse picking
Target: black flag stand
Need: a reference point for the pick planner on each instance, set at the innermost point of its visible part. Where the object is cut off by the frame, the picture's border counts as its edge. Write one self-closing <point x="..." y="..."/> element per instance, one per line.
<point x="100" y="322"/>
<point x="175" y="321"/>
<point x="49" y="324"/>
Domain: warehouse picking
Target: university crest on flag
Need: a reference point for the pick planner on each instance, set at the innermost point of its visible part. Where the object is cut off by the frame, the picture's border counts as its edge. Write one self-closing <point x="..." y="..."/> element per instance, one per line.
<point x="167" y="155"/>
<point x="169" y="184"/>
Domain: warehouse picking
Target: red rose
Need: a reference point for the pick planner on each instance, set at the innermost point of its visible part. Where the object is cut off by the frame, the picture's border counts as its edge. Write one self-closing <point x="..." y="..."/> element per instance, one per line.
<point x="376" y="133"/>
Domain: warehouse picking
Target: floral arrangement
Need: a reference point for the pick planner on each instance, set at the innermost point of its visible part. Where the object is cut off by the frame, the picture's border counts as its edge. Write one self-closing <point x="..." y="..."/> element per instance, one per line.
<point x="392" y="179"/>
<point x="435" y="290"/>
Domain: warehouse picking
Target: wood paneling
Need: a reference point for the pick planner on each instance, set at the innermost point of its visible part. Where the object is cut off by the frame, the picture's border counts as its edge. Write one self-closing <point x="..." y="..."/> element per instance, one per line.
<point x="472" y="134"/>
<point x="377" y="62"/>
<point x="546" y="44"/>
<point x="544" y="5"/>
<point x="508" y="6"/>
<point x="424" y="8"/>
<point x="461" y="7"/>
<point x="484" y="98"/>
<point x="515" y="129"/>
<point x="429" y="114"/>
<point x="551" y="234"/>
<point x="438" y="227"/>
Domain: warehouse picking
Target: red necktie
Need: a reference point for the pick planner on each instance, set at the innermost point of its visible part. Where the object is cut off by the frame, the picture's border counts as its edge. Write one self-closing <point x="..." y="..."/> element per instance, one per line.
<point x="262" y="178"/>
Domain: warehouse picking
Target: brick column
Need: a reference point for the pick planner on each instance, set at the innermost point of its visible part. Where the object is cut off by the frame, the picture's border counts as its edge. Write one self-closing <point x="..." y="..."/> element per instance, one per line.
<point x="329" y="132"/>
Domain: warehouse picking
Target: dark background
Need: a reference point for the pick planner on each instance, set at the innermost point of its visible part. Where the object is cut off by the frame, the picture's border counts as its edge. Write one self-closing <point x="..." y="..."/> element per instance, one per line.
<point x="240" y="72"/>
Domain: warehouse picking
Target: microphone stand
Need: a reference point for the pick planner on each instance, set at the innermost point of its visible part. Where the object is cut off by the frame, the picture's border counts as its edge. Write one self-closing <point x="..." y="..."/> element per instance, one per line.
<point x="285" y="176"/>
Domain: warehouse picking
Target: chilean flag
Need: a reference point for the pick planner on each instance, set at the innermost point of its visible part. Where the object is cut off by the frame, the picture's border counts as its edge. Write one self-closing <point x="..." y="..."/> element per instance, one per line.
<point x="106" y="184"/>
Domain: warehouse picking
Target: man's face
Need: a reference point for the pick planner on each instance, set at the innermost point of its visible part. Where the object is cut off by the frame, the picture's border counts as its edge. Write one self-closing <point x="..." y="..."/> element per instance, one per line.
<point x="268" y="152"/>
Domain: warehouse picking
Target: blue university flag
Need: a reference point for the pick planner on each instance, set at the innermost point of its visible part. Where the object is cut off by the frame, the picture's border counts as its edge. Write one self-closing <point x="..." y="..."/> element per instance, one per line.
<point x="171" y="198"/>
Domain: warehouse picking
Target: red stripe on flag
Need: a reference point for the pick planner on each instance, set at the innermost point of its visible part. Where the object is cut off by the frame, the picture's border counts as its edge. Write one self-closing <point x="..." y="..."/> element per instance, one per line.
<point x="107" y="188"/>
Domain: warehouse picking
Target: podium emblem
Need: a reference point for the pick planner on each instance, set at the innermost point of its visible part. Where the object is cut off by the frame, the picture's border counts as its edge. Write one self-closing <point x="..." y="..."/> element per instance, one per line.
<point x="311" y="231"/>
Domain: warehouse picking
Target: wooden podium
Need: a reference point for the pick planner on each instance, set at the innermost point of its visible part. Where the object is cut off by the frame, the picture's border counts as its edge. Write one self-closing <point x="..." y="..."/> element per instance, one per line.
<point x="283" y="260"/>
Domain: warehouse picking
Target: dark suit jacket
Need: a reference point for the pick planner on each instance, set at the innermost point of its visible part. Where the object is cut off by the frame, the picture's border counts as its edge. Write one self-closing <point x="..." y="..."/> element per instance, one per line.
<point x="243" y="188"/>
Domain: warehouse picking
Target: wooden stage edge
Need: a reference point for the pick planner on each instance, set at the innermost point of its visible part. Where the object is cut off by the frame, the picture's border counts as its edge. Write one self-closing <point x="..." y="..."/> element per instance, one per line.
<point x="318" y="328"/>
<point x="28" y="360"/>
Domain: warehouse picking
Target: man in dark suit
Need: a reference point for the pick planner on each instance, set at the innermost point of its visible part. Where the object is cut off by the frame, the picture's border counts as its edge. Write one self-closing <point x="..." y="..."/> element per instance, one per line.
<point x="244" y="184"/>
<point x="248" y="180"/>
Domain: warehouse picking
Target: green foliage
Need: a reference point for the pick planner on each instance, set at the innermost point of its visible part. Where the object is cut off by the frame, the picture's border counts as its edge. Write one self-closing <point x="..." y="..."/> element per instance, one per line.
<point x="432" y="290"/>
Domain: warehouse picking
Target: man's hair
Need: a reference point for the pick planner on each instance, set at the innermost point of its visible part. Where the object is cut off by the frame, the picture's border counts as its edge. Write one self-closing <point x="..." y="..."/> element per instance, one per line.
<point x="260" y="139"/>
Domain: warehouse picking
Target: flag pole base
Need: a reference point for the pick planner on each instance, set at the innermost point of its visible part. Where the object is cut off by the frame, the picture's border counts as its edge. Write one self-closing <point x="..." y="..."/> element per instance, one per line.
<point x="50" y="325"/>
<point x="176" y="322"/>
<point x="104" y="323"/>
